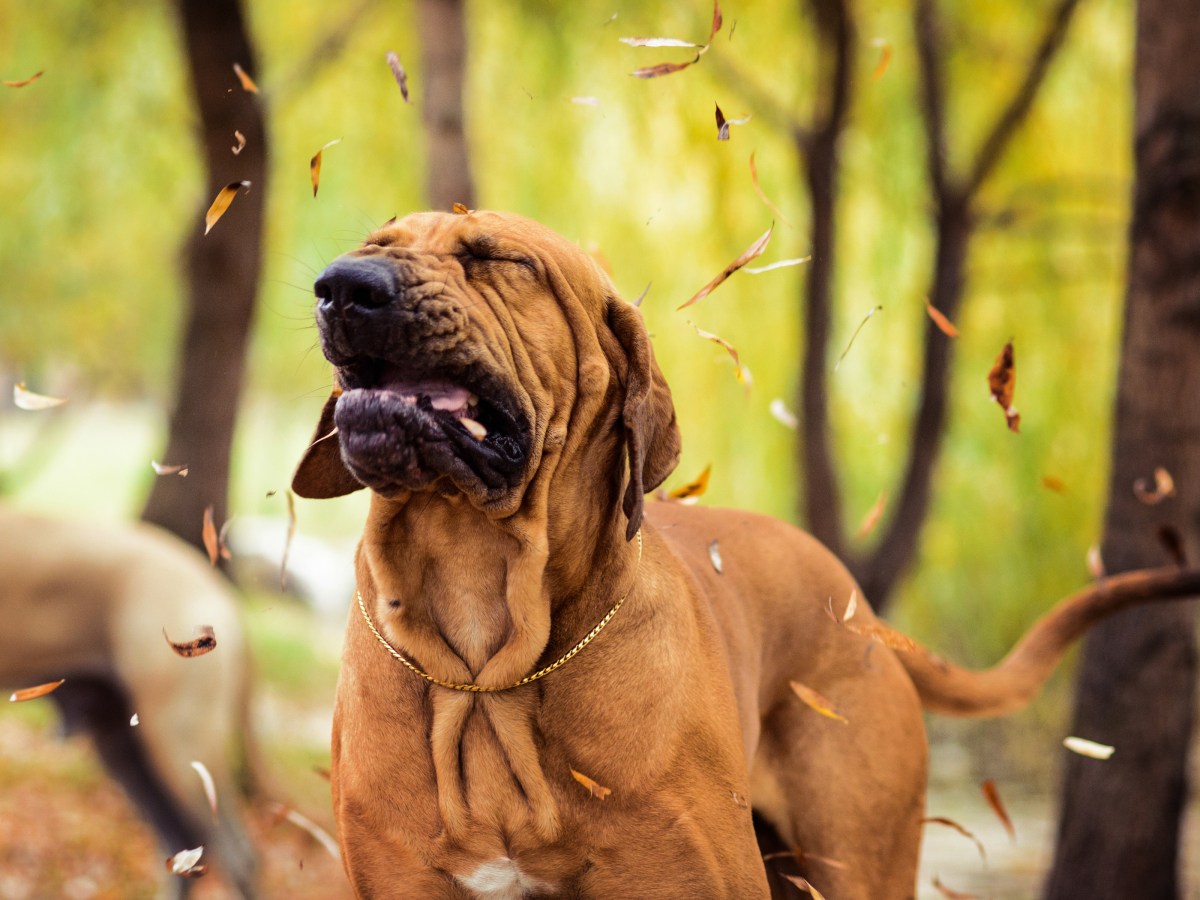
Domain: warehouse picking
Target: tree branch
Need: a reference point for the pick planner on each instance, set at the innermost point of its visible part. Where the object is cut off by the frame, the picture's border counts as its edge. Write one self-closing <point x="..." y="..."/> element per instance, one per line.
<point x="933" y="103"/>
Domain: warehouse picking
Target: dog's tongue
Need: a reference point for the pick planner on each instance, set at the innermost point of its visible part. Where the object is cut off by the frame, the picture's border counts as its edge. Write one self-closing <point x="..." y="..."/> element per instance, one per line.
<point x="442" y="395"/>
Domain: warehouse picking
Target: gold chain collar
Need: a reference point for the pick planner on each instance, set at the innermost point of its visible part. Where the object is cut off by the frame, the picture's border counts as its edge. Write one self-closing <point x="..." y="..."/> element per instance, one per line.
<point x="540" y="673"/>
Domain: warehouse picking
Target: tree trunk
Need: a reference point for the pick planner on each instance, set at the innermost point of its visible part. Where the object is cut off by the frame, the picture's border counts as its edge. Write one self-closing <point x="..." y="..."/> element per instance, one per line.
<point x="1119" y="827"/>
<point x="222" y="272"/>
<point x="444" y="54"/>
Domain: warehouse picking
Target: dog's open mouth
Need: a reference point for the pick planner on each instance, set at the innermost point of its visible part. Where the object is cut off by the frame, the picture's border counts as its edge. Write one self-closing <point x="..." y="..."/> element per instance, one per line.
<point x="406" y="429"/>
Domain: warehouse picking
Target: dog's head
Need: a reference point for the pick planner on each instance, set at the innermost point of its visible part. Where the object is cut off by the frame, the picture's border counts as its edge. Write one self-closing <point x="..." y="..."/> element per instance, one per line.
<point x="467" y="348"/>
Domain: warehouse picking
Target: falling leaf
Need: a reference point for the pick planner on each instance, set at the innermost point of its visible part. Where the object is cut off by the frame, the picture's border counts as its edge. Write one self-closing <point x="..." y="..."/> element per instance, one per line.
<point x="1095" y="563"/>
<point x="26" y="399"/>
<point x="783" y="263"/>
<point x="945" y="326"/>
<point x="817" y="702"/>
<point x="186" y="863"/>
<point x="1171" y="541"/>
<point x="222" y="547"/>
<point x="663" y="69"/>
<point x="950" y="823"/>
<point x="695" y="488"/>
<point x="209" y="535"/>
<point x="783" y="415"/>
<point x="598" y="791"/>
<point x="210" y="787"/>
<point x="742" y="373"/>
<point x="1084" y="747"/>
<point x="885" y="57"/>
<point x="1002" y="380"/>
<point x="751" y="252"/>
<point x="854" y="336"/>
<point x="803" y="884"/>
<point x="314" y="165"/>
<point x="134" y="721"/>
<point x="30" y="80"/>
<point x="586" y="101"/>
<point x="723" y="124"/>
<point x="248" y="84"/>
<point x="668" y="68"/>
<point x="319" y="834"/>
<point x="642" y="295"/>
<point x="323" y="772"/>
<point x="164" y="469"/>
<point x="205" y="643"/>
<point x="460" y="209"/>
<point x="758" y="190"/>
<point x="714" y="556"/>
<point x="221" y="203"/>
<point x="287" y="541"/>
<point x="400" y="75"/>
<point x="478" y="431"/>
<point x="656" y="42"/>
<point x="950" y="893"/>
<point x="1053" y="483"/>
<point x="241" y="143"/>
<point x="992" y="795"/>
<point x="851" y="607"/>
<point x="874" y="514"/>
<point x="1164" y="487"/>
<point x="32" y="693"/>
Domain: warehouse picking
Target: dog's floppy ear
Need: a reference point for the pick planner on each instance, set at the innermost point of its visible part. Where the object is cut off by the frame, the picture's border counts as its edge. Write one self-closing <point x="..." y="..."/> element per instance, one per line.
<point x="321" y="473"/>
<point x="652" y="440"/>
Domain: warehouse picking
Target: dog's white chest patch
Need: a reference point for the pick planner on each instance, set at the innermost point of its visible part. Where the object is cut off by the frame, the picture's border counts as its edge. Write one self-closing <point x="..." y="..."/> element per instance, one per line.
<point x="501" y="879"/>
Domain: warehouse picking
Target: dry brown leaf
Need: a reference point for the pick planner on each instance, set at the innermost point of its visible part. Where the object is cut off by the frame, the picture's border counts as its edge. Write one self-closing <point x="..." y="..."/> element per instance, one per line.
<point x="753" y="251"/>
<point x="30" y="80"/>
<point x="761" y="196"/>
<point x="854" y="336"/>
<point x="248" y="84"/>
<point x="164" y="469"/>
<point x="714" y="556"/>
<point x="287" y="543"/>
<point x="885" y="57"/>
<point x="668" y="68"/>
<point x="198" y="646"/>
<point x="23" y="398"/>
<point x="598" y="791"/>
<point x="32" y="693"/>
<point x="781" y="264"/>
<point x="221" y="203"/>
<point x="816" y="702"/>
<point x="1002" y="380"/>
<point x="945" y="326"/>
<point x="1091" y="749"/>
<point x="950" y="823"/>
<point x="400" y="75"/>
<point x="663" y="69"/>
<point x="740" y="372"/>
<point x="460" y="209"/>
<point x="951" y="893"/>
<point x="241" y="143"/>
<point x="874" y="514"/>
<point x="209" y="535"/>
<point x="1164" y="487"/>
<point x="314" y="165"/>
<point x="803" y="884"/>
<point x="992" y="795"/>
<point x="186" y="863"/>
<point x="723" y="124"/>
<point x="694" y="488"/>
<point x="477" y="430"/>
<point x="1053" y="483"/>
<point x="783" y="415"/>
<point x="210" y="787"/>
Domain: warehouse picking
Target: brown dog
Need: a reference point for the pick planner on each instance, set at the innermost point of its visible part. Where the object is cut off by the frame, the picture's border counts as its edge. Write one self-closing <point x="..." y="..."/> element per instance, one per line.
<point x="504" y="407"/>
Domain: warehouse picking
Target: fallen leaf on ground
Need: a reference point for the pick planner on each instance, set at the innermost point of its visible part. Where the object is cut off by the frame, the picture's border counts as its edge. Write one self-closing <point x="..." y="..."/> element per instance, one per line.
<point x="210" y="787"/>
<point x="694" y="488"/>
<point x="992" y="796"/>
<point x="248" y="84"/>
<point x="816" y="702"/>
<point x="30" y="80"/>
<point x="23" y="398"/>
<point x="783" y="263"/>
<point x="1164" y="487"/>
<point x="1092" y="749"/>
<point x="314" y="165"/>
<point x="874" y="514"/>
<point x="951" y="893"/>
<point x="399" y="74"/>
<point x="885" y="57"/>
<point x="598" y="791"/>
<point x="1002" y="380"/>
<point x="751" y="252"/>
<point x="945" y="326"/>
<point x="803" y="884"/>
<point x="241" y="143"/>
<point x="221" y="203"/>
<point x="32" y="693"/>
<point x="186" y="863"/>
<point x="783" y="415"/>
<point x="740" y="371"/>
<point x="714" y="556"/>
<point x="758" y="190"/>
<point x="164" y="469"/>
<point x="206" y="642"/>
<point x="950" y="823"/>
<point x="854" y="336"/>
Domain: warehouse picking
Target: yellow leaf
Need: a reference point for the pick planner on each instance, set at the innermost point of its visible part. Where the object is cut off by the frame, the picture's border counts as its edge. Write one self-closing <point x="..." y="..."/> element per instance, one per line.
<point x="945" y="326"/>
<point x="694" y="488"/>
<point x="248" y="84"/>
<point x="32" y="693"/>
<point x="816" y="702"/>
<point x="221" y="203"/>
<point x="874" y="514"/>
<point x="30" y="80"/>
<point x="596" y="790"/>
<point x="885" y="57"/>
<point x="314" y="165"/>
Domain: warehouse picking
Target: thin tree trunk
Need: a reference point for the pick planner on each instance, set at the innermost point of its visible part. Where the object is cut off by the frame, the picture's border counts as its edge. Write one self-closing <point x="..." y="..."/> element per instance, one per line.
<point x="444" y="55"/>
<point x="222" y="272"/>
<point x="1119" y="827"/>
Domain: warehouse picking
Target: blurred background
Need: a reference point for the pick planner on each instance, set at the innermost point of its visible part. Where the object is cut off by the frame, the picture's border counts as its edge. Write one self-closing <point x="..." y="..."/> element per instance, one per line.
<point x="105" y="176"/>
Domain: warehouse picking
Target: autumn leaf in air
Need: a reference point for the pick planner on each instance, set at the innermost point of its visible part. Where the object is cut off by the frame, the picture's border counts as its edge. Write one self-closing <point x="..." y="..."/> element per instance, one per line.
<point x="209" y="535"/>
<point x="694" y="488"/>
<point x="23" y="398"/>
<point x="714" y="556"/>
<point x="248" y="84"/>
<point x="303" y="822"/>
<point x="874" y="514"/>
<point x="783" y="415"/>
<point x="950" y="823"/>
<point x="23" y="82"/>
<point x="851" y="607"/>
<point x="314" y="165"/>
<point x="241" y="143"/>
<point x="874" y="309"/>
<point x="1054" y="483"/>
<point x="32" y="693"/>
<point x="1164" y="487"/>
<point x="205" y="642"/>
<point x="992" y="795"/>
<point x="221" y="203"/>
<point x="778" y="264"/>
<point x="1002" y="379"/>
<point x="817" y="703"/>
<point x="1091" y="749"/>
<point x="804" y="885"/>
<point x="598" y="791"/>
<point x="952" y="894"/>
<point x="752" y="252"/>
<point x="723" y="124"/>
<point x="885" y="57"/>
<point x="758" y="190"/>
<point x="163" y="469"/>
<point x="945" y="326"/>
<point x="287" y="543"/>
<point x="399" y="74"/>
<point x="210" y="787"/>
<point x="186" y="863"/>
<point x="742" y="373"/>
<point x="460" y="209"/>
<point x="667" y="68"/>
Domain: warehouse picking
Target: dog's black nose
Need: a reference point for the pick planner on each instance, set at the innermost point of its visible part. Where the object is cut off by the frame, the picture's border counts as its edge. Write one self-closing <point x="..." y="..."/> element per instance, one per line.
<point x="366" y="282"/>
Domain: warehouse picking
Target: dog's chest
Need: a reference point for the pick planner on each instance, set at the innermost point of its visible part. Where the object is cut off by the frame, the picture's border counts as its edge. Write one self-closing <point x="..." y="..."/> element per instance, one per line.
<point x="502" y="879"/>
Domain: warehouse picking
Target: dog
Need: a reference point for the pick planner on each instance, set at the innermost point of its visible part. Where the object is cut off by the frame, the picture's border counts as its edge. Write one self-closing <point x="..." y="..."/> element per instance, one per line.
<point x="550" y="688"/>
<point x="89" y="604"/>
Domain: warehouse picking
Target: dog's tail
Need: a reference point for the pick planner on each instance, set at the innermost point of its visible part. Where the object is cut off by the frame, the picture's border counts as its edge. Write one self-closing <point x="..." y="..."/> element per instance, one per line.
<point x="1016" y="679"/>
